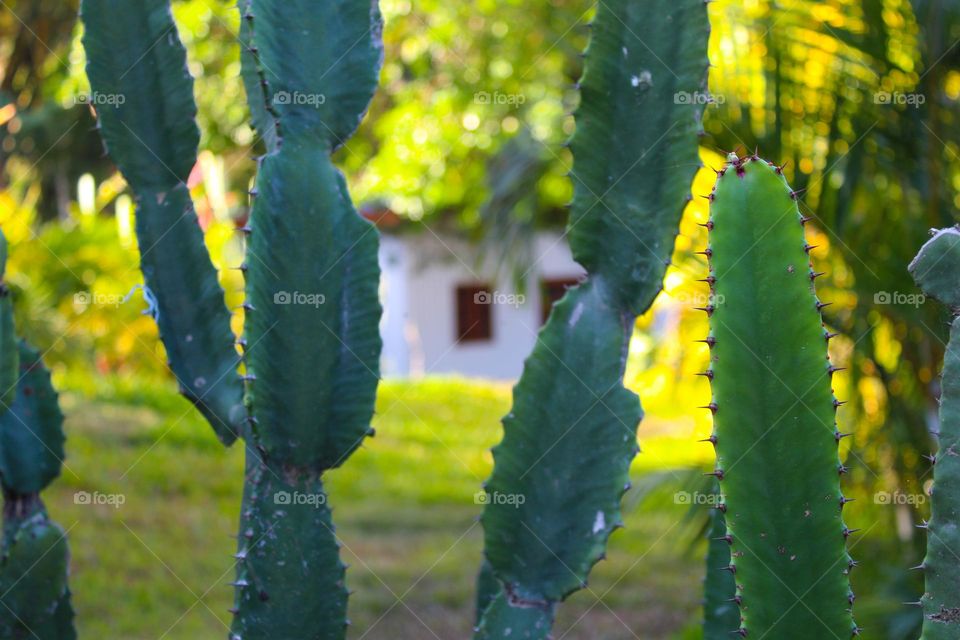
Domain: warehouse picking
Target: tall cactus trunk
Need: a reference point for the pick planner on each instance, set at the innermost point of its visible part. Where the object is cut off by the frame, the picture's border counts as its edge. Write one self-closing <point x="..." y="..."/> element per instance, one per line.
<point x="935" y="269"/>
<point x="312" y="332"/>
<point x="774" y="424"/>
<point x="312" y="343"/>
<point x="570" y="438"/>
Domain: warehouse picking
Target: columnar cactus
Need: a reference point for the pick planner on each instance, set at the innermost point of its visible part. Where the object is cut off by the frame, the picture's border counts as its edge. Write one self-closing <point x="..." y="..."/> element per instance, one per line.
<point x="313" y="363"/>
<point x="133" y="52"/>
<point x="311" y="345"/>
<point x="570" y="438"/>
<point x="935" y="269"/>
<point x="34" y="557"/>
<point x="774" y="412"/>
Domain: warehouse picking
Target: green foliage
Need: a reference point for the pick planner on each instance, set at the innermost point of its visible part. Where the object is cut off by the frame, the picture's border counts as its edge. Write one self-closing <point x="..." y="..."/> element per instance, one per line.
<point x="563" y="464"/>
<point x="774" y="428"/>
<point x="935" y="270"/>
<point x="133" y="53"/>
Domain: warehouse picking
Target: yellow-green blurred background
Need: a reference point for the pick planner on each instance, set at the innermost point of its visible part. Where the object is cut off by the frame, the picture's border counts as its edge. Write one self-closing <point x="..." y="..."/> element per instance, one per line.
<point x="860" y="99"/>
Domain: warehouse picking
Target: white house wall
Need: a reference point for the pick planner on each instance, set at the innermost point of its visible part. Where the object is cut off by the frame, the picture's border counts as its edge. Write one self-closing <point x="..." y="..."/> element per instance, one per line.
<point x="420" y="276"/>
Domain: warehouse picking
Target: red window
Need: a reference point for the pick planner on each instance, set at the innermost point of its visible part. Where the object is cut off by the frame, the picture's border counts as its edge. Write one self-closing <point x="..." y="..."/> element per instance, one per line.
<point x="474" y="312"/>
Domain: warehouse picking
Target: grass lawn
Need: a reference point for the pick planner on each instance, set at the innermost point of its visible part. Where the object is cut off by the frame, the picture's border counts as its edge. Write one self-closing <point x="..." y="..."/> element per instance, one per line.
<point x="158" y="565"/>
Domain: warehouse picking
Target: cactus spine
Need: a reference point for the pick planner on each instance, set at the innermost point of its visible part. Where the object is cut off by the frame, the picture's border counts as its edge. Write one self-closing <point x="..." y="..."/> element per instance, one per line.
<point x="570" y="438"/>
<point x="774" y="412"/>
<point x="935" y="270"/>
<point x="311" y="341"/>
<point x="34" y="557"/>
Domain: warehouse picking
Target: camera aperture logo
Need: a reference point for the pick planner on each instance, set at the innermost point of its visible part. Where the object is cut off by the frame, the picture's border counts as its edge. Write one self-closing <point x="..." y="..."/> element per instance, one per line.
<point x="496" y="497"/>
<point x="299" y="298"/>
<point x="95" y="498"/>
<point x="298" y="498"/>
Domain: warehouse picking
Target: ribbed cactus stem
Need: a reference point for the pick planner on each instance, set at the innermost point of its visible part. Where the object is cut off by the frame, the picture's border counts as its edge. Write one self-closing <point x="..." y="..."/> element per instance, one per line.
<point x="936" y="270"/>
<point x="133" y="51"/>
<point x="774" y="412"/>
<point x="311" y="343"/>
<point x="34" y="558"/>
<point x="312" y="326"/>
<point x="720" y="611"/>
<point x="564" y="461"/>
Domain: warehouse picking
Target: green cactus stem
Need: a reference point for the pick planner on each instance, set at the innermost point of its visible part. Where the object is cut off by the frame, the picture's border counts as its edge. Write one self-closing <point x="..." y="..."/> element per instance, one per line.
<point x="10" y="358"/>
<point x="313" y="309"/>
<point x="935" y="270"/>
<point x="720" y="611"/>
<point x="135" y="58"/>
<point x="571" y="435"/>
<point x="34" y="557"/>
<point x="774" y="412"/>
<point x="312" y="343"/>
<point x="33" y="574"/>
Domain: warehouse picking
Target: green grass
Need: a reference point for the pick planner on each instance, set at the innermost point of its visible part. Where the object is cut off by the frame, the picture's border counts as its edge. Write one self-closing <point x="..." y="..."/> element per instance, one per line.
<point x="158" y="565"/>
